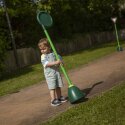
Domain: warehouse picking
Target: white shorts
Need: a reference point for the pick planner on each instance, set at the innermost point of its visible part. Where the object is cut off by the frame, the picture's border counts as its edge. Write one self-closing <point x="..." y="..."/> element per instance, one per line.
<point x="54" y="81"/>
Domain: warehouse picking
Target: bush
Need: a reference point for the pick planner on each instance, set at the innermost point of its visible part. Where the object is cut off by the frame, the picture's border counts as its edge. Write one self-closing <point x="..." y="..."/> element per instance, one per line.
<point x="3" y="46"/>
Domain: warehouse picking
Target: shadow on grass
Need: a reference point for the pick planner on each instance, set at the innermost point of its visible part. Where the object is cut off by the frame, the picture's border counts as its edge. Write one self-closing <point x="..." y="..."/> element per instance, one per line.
<point x="87" y="91"/>
<point x="16" y="73"/>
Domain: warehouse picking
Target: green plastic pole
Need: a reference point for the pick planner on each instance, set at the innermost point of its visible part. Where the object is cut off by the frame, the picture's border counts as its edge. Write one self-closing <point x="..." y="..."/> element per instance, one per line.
<point x="57" y="57"/>
<point x="117" y="35"/>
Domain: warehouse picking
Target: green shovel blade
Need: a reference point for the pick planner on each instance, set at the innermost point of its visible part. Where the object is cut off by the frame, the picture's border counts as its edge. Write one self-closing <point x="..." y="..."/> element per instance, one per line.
<point x="75" y="94"/>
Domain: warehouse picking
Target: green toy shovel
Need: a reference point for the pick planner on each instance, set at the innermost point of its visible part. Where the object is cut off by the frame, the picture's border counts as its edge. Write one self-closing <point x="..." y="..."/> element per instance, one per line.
<point x="74" y="93"/>
<point x="119" y="48"/>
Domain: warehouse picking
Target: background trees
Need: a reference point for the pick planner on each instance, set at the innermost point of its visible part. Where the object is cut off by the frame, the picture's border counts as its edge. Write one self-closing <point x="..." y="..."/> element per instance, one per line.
<point x="70" y="16"/>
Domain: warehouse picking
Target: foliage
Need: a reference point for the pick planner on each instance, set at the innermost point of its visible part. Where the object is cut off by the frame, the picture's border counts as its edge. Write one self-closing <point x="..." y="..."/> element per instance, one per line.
<point x="69" y="17"/>
<point x="23" y="19"/>
<point x="81" y="16"/>
<point x="3" y="46"/>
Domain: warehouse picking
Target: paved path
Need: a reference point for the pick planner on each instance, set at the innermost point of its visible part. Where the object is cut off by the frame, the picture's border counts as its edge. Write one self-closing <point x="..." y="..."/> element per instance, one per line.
<point x="31" y="105"/>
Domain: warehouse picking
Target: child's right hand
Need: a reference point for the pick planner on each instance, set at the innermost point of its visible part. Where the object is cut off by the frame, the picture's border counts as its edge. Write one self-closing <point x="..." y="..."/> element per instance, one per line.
<point x="58" y="62"/>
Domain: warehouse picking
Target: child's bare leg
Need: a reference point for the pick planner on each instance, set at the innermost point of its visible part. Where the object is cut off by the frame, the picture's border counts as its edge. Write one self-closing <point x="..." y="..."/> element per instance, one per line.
<point x="58" y="92"/>
<point x="54" y="101"/>
<point x="59" y="95"/>
<point x="52" y="94"/>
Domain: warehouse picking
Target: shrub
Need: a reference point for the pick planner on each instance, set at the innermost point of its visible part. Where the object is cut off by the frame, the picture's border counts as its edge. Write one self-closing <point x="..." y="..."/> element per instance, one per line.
<point x="3" y="46"/>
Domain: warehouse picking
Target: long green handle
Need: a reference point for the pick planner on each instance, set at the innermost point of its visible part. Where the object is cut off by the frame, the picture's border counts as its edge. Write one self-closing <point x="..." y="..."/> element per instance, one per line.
<point x="116" y="35"/>
<point x="57" y="57"/>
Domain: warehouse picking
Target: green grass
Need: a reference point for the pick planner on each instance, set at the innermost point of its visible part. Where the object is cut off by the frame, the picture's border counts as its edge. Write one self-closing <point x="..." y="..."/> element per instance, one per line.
<point x="106" y="109"/>
<point x="34" y="74"/>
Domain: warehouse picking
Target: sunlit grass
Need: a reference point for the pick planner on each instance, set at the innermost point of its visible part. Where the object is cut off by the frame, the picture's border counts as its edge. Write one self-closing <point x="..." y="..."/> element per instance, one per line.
<point x="106" y="109"/>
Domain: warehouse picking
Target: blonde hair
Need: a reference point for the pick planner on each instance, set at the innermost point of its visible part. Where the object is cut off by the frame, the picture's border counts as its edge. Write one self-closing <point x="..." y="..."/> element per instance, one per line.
<point x="43" y="43"/>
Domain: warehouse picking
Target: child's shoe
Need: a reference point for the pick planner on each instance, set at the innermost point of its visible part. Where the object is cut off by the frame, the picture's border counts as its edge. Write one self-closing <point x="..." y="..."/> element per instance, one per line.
<point x="62" y="99"/>
<point x="55" y="102"/>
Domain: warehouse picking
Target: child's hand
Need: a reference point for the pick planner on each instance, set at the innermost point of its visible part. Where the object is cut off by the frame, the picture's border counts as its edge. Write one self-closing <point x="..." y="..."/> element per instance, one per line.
<point x="58" y="62"/>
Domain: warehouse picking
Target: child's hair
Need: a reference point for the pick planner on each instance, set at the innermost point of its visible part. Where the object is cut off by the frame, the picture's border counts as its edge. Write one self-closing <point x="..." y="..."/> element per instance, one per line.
<point x="43" y="43"/>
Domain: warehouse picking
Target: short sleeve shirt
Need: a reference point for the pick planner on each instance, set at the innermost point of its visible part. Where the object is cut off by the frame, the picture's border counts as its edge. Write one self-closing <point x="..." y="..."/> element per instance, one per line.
<point x="52" y="74"/>
<point x="45" y="59"/>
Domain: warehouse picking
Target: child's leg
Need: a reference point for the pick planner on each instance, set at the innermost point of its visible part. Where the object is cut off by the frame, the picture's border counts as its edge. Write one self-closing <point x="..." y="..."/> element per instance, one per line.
<point x="52" y="94"/>
<point x="58" y="92"/>
<point x="59" y="95"/>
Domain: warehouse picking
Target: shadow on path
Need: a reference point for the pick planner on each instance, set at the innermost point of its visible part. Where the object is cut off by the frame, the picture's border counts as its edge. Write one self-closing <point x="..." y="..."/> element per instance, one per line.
<point x="87" y="91"/>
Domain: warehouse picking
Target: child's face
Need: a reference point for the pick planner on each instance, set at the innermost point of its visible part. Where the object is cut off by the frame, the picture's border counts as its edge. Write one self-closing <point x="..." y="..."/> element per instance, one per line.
<point x="44" y="50"/>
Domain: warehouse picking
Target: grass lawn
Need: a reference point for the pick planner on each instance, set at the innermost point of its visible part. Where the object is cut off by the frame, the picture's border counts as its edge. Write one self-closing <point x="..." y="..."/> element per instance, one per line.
<point x="106" y="109"/>
<point x="34" y="74"/>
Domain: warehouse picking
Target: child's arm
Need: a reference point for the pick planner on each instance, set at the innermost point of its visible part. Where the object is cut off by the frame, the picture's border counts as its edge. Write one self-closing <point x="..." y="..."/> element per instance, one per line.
<point x="46" y="63"/>
<point x="49" y="64"/>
